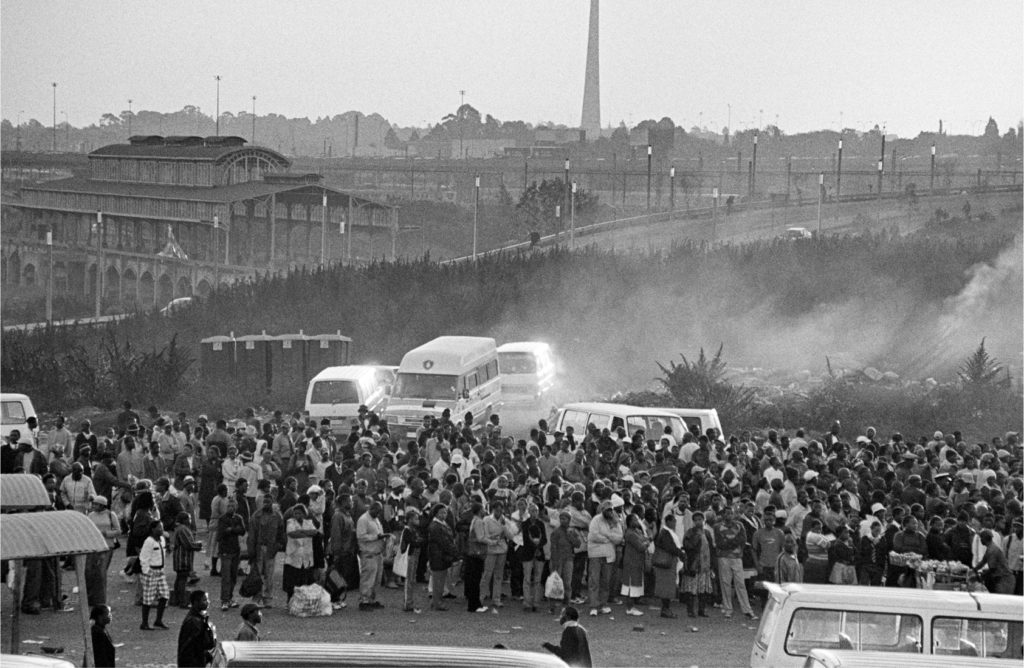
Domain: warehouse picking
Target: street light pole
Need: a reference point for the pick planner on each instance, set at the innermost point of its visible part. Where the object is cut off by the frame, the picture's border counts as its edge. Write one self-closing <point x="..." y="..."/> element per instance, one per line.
<point x="821" y="193"/>
<point x="54" y="117"/>
<point x="129" y="118"/>
<point x="49" y="275"/>
<point x="880" y="167"/>
<point x="67" y="131"/>
<point x="217" y="77"/>
<point x="649" y="152"/>
<point x="931" y="183"/>
<point x="572" y="217"/>
<point x="323" y="234"/>
<point x="672" y="188"/>
<point x="253" y="119"/>
<point x="476" y="212"/>
<point x="839" y="174"/>
<point x="753" y="168"/>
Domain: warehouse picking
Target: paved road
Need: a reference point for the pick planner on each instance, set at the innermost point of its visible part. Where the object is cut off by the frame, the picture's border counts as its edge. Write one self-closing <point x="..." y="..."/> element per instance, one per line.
<point x="614" y="642"/>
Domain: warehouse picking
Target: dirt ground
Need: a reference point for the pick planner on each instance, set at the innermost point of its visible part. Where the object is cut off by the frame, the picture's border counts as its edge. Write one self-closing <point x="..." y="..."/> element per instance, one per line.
<point x="615" y="640"/>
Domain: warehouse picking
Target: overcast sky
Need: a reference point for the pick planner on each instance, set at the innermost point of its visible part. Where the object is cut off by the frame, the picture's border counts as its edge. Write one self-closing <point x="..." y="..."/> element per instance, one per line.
<point x="906" y="64"/>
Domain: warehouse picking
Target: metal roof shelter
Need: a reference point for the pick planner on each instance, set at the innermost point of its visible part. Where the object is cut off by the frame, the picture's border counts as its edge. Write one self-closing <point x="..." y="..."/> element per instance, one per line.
<point x="21" y="492"/>
<point x="48" y="534"/>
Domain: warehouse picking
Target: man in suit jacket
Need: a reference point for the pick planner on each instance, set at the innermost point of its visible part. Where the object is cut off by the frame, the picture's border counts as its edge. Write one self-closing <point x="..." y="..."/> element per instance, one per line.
<point x="574" y="648"/>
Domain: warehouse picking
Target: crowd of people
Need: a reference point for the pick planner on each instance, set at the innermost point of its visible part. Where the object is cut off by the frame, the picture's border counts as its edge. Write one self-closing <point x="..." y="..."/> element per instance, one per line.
<point x="622" y="518"/>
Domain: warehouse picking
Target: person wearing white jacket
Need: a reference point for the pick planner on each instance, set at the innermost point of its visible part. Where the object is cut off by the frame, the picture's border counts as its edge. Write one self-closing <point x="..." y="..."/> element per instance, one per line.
<point x="604" y="536"/>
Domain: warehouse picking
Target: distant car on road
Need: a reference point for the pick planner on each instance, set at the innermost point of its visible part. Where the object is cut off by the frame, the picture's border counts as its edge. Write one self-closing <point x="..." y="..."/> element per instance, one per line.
<point x="176" y="305"/>
<point x="798" y="233"/>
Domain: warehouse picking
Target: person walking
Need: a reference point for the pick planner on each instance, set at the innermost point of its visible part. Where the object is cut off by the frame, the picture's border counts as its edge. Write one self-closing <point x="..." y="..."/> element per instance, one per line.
<point x="667" y="553"/>
<point x="229" y="528"/>
<point x="564" y="541"/>
<point x="218" y="506"/>
<point x="152" y="559"/>
<point x="370" y="534"/>
<point x="993" y="567"/>
<point x="442" y="553"/>
<point x="185" y="547"/>
<point x="198" y="637"/>
<point x="574" y="647"/>
<point x="103" y="652"/>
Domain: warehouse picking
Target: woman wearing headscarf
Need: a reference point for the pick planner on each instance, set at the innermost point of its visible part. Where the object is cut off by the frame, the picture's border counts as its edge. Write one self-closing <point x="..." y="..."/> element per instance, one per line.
<point x="604" y="536"/>
<point x="667" y="553"/>
<point x="634" y="552"/>
<point x="298" y="554"/>
<point x="697" y="585"/>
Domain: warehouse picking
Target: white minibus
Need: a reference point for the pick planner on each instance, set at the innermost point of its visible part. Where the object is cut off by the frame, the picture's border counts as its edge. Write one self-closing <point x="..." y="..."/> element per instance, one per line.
<point x="800" y="617"/>
<point x="459" y="373"/>
<point x="16" y="410"/>
<point x="527" y="373"/>
<point x="337" y="392"/>
<point x="612" y="416"/>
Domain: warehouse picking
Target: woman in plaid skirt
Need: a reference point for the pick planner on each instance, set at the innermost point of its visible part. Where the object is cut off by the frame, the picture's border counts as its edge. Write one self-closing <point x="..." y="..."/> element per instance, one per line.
<point x="152" y="558"/>
<point x="697" y="571"/>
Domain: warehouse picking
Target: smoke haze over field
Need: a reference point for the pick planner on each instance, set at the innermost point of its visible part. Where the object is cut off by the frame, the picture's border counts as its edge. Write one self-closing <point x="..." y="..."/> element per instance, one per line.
<point x="888" y="324"/>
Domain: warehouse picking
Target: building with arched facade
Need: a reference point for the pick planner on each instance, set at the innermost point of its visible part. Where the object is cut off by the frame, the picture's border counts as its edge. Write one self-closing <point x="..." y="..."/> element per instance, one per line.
<point x="165" y="217"/>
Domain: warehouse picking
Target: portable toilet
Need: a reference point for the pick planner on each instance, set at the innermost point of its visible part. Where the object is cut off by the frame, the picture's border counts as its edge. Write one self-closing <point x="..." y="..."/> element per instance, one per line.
<point x="254" y="365"/>
<point x="288" y="355"/>
<point x="217" y="358"/>
<point x="324" y="350"/>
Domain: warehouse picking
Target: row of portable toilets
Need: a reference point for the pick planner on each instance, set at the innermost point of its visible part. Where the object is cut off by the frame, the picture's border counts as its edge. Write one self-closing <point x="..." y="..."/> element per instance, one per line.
<point x="262" y="363"/>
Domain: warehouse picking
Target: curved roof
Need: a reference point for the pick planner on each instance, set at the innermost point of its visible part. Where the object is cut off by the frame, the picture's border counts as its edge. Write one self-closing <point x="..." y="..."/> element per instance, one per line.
<point x="355" y="654"/>
<point x="48" y="534"/>
<point x="206" y="151"/>
<point x="22" y="491"/>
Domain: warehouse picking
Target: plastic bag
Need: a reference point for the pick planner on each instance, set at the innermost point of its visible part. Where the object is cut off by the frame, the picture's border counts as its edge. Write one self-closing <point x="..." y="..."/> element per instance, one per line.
<point x="310" y="601"/>
<point x="252" y="585"/>
<point x="401" y="565"/>
<point x="554" y="588"/>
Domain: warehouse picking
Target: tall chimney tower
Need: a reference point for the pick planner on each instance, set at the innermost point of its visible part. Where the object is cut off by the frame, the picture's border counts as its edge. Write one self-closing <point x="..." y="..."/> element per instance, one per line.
<point x="591" y="118"/>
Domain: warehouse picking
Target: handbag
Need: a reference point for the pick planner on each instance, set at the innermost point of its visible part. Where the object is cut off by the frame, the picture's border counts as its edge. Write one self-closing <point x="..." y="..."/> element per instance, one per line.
<point x="252" y="585"/>
<point x="401" y="565"/>
<point x="662" y="559"/>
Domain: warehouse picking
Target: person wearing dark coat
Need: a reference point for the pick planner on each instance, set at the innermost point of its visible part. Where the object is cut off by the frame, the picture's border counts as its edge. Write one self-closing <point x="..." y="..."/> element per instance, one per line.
<point x="103" y="652"/>
<point x="666" y="578"/>
<point x="198" y="637"/>
<point x="442" y="552"/>
<point x="574" y="647"/>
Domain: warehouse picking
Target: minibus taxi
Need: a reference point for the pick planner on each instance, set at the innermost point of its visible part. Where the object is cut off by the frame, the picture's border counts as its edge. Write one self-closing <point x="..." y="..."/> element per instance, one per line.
<point x="844" y="658"/>
<point x="16" y="410"/>
<point x="527" y="373"/>
<point x="612" y="416"/>
<point x="801" y="617"/>
<point x="337" y="392"/>
<point x="459" y="373"/>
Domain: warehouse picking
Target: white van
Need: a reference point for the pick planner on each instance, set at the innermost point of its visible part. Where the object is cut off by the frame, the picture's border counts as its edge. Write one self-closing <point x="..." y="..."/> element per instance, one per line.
<point x="844" y="658"/>
<point x="459" y="373"/>
<point x="800" y="618"/>
<point x="612" y="416"/>
<point x="527" y="373"/>
<point x="702" y="418"/>
<point x="15" y="410"/>
<point x="337" y="392"/>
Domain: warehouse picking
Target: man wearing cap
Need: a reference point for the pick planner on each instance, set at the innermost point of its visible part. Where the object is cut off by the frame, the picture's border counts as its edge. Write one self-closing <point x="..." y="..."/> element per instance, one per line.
<point x="251" y="616"/>
<point x="604" y="536"/>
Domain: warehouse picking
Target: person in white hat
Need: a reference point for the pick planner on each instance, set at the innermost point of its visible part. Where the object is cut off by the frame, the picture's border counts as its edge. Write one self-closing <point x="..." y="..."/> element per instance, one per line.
<point x="97" y="563"/>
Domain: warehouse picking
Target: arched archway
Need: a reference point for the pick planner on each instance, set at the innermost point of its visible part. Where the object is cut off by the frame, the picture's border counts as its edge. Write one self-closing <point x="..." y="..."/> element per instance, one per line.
<point x="112" y="286"/>
<point x="28" y="275"/>
<point x="183" y="288"/>
<point x="14" y="268"/>
<point x="164" y="291"/>
<point x="60" y="278"/>
<point x="129" y="287"/>
<point x="147" y="290"/>
<point x="203" y="288"/>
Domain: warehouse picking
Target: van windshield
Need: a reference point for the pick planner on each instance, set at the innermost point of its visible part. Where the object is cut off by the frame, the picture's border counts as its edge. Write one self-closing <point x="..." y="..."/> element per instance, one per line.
<point x="425" y="386"/>
<point x="334" y="392"/>
<point x="518" y="363"/>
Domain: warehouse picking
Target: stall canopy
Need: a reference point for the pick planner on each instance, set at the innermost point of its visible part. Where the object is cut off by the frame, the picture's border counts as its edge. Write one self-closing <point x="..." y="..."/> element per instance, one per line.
<point x="21" y="491"/>
<point x="49" y="534"/>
